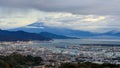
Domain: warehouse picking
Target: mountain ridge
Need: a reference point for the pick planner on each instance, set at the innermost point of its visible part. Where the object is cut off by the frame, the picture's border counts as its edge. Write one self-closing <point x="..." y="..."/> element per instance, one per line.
<point x="6" y="35"/>
<point x="66" y="32"/>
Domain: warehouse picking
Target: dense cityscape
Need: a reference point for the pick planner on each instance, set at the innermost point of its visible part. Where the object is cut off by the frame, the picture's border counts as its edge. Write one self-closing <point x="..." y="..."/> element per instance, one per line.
<point x="64" y="54"/>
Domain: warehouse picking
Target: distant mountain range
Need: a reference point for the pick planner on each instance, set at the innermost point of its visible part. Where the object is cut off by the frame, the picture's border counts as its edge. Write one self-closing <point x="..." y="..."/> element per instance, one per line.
<point x="26" y="36"/>
<point x="39" y="27"/>
<point x="55" y="36"/>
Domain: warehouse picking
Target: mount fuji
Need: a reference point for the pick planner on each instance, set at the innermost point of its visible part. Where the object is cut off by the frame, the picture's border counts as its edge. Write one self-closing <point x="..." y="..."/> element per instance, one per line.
<point x="40" y="27"/>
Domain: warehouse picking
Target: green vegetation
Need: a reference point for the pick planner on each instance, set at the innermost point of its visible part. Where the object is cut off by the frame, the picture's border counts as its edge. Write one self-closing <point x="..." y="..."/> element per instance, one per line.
<point x="18" y="61"/>
<point x="88" y="65"/>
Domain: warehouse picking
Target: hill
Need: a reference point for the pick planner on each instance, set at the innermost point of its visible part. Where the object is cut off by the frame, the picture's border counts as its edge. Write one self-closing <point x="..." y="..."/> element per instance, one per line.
<point x="26" y="36"/>
<point x="55" y="36"/>
<point x="20" y="36"/>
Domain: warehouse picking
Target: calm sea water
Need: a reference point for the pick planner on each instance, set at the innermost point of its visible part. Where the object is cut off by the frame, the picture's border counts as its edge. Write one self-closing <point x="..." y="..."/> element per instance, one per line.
<point x="69" y="42"/>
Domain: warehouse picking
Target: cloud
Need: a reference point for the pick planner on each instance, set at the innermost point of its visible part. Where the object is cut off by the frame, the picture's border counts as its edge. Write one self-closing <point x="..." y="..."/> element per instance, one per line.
<point x="96" y="16"/>
<point x="10" y="18"/>
<point x="84" y="7"/>
<point x="92" y="23"/>
<point x="94" y="19"/>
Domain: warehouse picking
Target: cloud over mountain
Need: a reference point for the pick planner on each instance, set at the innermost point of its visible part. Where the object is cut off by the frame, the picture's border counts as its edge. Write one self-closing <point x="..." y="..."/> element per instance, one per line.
<point x="96" y="16"/>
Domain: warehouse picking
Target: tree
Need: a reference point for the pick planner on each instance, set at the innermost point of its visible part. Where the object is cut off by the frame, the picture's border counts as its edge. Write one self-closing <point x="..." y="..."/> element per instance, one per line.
<point x="67" y="65"/>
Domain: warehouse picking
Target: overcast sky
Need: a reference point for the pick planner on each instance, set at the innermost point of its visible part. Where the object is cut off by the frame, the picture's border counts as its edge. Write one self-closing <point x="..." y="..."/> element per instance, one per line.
<point x="96" y="16"/>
